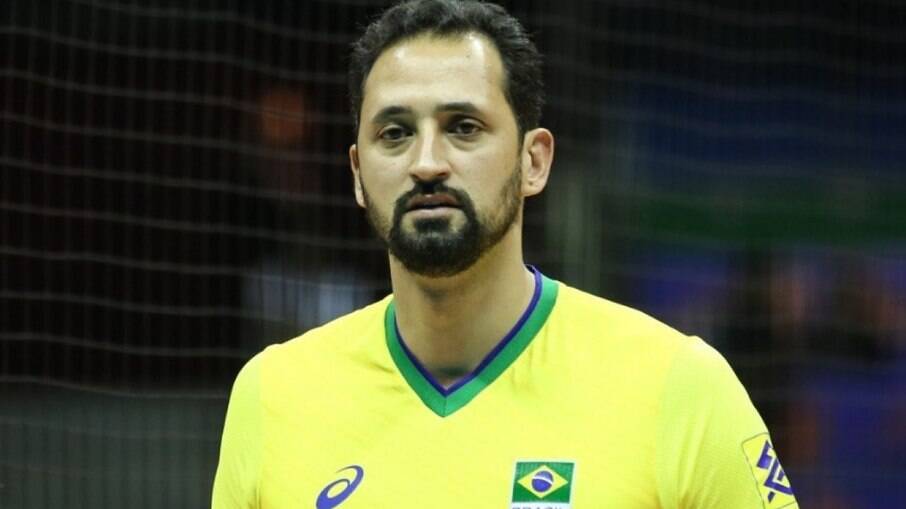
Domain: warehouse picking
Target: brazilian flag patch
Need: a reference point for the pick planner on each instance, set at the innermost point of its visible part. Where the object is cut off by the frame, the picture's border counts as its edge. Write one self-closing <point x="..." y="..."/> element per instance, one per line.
<point x="773" y="484"/>
<point x="543" y="485"/>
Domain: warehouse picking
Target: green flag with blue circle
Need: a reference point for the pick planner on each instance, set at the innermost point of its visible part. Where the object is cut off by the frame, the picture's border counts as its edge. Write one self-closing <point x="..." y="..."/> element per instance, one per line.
<point x="542" y="485"/>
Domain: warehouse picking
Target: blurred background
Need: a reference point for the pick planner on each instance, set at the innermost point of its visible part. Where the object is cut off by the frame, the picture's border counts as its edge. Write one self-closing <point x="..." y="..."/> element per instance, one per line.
<point x="175" y="195"/>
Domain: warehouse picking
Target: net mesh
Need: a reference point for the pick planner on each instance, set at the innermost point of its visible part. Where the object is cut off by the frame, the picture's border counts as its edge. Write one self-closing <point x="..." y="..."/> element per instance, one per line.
<point x="175" y="194"/>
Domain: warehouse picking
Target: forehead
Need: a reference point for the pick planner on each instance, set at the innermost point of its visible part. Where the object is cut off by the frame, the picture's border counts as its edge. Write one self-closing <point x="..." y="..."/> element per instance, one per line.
<point x="428" y="70"/>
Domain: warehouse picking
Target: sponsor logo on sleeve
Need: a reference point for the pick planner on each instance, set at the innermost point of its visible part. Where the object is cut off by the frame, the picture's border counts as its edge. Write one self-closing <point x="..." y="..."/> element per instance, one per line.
<point x="773" y="484"/>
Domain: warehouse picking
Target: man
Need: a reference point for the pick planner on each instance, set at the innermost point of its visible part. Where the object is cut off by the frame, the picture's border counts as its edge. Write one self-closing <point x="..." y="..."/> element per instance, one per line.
<point x="480" y="382"/>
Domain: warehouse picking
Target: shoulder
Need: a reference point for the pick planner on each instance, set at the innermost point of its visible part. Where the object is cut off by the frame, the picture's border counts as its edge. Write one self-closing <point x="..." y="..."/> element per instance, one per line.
<point x="702" y="384"/>
<point x="603" y="324"/>
<point x="707" y="430"/>
<point x="684" y="363"/>
<point x="610" y="348"/>
<point x="590" y="308"/>
<point x="336" y="338"/>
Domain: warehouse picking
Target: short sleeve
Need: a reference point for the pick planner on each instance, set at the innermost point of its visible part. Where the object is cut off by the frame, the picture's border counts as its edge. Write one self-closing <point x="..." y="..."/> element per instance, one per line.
<point x="713" y="448"/>
<point x="236" y="480"/>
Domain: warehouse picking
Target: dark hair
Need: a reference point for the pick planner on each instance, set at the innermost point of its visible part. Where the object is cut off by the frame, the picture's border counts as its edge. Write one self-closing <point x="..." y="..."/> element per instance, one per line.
<point x="523" y="86"/>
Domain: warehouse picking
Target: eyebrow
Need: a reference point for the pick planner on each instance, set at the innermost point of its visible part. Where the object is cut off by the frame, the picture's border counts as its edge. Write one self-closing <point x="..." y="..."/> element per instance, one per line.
<point x="393" y="111"/>
<point x="388" y="113"/>
<point x="457" y="107"/>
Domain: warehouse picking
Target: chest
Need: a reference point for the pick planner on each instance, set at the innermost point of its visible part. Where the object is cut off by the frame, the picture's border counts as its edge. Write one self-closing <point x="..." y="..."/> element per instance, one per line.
<point x="504" y="450"/>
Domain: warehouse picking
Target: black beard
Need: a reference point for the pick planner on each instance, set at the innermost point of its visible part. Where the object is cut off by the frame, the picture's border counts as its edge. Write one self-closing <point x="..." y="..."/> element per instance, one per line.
<point x="435" y="249"/>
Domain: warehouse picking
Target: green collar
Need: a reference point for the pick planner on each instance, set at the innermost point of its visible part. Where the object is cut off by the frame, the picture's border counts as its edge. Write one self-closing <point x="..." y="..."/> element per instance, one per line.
<point x="445" y="401"/>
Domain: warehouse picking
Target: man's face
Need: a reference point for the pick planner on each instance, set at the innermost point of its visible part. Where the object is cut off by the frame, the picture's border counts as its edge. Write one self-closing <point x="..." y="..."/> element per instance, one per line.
<point x="437" y="156"/>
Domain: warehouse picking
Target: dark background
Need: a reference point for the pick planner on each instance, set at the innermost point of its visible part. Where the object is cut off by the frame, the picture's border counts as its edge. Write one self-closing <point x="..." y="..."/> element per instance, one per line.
<point x="175" y="194"/>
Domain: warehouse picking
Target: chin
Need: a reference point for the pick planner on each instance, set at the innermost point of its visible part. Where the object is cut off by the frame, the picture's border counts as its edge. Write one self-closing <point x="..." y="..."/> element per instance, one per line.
<point x="431" y="225"/>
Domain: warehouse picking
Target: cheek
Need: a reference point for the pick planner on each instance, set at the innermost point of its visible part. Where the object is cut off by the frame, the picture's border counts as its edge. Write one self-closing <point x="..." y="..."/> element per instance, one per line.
<point x="383" y="190"/>
<point x="380" y="176"/>
<point x="488" y="175"/>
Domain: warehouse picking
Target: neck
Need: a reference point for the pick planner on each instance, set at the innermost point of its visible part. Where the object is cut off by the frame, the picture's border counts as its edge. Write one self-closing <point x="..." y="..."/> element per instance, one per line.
<point x="450" y="324"/>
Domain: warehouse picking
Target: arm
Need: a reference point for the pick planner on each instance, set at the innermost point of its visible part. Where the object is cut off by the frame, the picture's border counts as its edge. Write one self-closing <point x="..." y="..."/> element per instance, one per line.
<point x="236" y="481"/>
<point x="713" y="448"/>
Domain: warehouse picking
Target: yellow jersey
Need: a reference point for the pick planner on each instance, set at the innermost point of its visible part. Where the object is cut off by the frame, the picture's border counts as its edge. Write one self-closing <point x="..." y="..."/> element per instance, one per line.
<point x="585" y="404"/>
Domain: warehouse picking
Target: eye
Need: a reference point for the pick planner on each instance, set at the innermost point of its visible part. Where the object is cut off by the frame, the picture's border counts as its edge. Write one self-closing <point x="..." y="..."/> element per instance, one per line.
<point x="393" y="133"/>
<point x="465" y="127"/>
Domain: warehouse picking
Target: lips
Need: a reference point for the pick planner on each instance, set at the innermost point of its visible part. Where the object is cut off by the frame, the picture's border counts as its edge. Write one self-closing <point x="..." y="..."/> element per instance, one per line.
<point x="431" y="201"/>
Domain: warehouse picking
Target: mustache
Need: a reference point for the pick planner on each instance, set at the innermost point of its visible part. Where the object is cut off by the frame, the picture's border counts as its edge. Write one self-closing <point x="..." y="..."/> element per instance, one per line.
<point x="431" y="188"/>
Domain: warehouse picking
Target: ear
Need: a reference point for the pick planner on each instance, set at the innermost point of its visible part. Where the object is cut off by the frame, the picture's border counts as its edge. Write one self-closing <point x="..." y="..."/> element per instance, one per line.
<point x="537" y="157"/>
<point x="356" y="175"/>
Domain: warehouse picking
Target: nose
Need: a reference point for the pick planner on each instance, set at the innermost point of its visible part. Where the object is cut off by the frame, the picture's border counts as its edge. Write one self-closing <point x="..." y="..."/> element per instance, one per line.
<point x="429" y="163"/>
